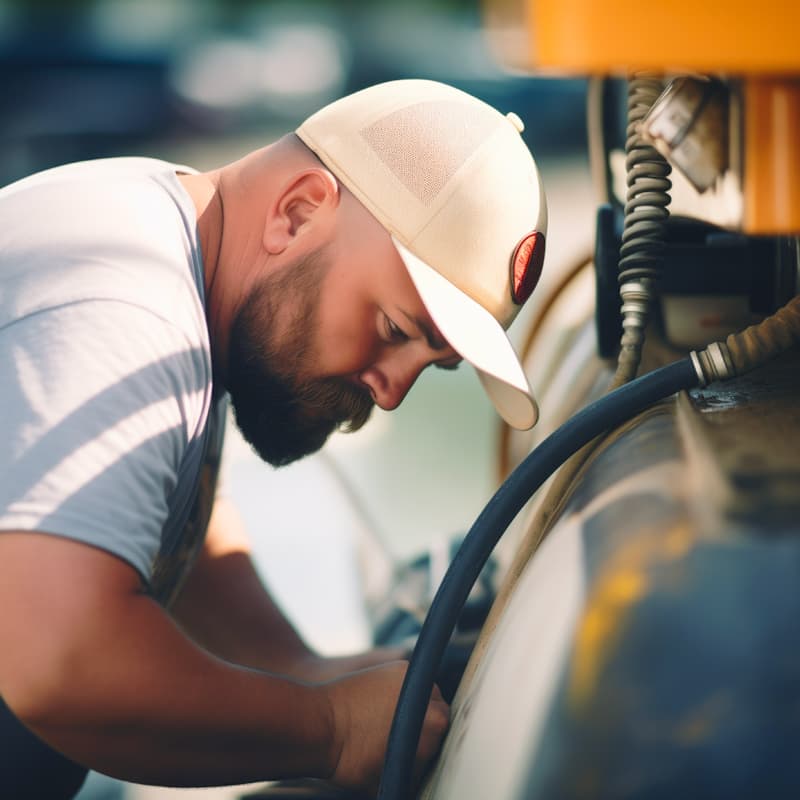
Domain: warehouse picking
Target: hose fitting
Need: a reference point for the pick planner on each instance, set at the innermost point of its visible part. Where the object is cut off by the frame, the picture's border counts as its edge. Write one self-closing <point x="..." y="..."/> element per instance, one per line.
<point x="713" y="364"/>
<point x="636" y="296"/>
<point x="636" y="303"/>
<point x="750" y="348"/>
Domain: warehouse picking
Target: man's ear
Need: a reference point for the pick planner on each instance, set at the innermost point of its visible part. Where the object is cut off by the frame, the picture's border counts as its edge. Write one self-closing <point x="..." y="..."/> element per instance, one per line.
<point x="306" y="201"/>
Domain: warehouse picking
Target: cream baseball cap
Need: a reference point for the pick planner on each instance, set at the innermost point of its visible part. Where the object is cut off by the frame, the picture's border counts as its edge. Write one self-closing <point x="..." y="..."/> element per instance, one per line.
<point x="454" y="184"/>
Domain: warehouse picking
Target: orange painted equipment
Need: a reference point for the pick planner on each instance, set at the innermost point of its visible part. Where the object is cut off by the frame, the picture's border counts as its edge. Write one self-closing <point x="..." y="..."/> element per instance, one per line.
<point x="613" y="36"/>
<point x="771" y="183"/>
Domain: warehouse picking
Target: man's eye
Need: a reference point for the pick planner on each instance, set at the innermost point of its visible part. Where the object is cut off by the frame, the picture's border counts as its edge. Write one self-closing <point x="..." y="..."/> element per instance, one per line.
<point x="394" y="333"/>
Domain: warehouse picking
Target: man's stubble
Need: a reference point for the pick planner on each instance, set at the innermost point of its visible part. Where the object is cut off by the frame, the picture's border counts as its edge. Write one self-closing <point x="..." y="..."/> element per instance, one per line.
<point x="283" y="411"/>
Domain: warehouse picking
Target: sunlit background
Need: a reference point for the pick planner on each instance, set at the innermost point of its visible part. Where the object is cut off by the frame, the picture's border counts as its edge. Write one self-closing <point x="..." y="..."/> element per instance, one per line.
<point x="201" y="82"/>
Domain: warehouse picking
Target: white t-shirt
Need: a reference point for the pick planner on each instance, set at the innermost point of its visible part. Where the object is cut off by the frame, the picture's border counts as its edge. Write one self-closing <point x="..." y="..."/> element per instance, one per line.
<point x="105" y="365"/>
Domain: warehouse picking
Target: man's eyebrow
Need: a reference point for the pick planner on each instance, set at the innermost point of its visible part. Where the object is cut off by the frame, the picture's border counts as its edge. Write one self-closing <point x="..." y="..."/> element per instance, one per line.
<point x="435" y="339"/>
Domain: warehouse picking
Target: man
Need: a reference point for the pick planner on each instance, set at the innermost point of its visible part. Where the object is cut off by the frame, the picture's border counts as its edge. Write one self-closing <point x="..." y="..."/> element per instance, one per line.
<point x="399" y="227"/>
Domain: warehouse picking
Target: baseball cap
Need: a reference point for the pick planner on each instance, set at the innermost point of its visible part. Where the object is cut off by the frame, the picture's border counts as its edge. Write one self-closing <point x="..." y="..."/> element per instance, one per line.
<point x="452" y="181"/>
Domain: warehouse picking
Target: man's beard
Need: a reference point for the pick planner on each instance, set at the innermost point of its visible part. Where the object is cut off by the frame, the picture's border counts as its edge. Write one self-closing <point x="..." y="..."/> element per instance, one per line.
<point x="282" y="411"/>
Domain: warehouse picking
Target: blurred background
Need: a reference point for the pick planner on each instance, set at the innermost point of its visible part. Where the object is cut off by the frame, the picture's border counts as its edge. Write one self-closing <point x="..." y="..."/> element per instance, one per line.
<point x="88" y="78"/>
<point x="201" y="82"/>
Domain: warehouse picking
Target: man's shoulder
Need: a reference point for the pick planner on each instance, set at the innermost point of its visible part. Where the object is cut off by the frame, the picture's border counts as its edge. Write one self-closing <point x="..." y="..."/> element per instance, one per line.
<point x="96" y="203"/>
<point x="94" y="170"/>
<point x="115" y="229"/>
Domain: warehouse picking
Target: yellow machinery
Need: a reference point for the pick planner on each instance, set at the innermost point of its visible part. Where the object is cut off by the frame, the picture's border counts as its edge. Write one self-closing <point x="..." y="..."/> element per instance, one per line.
<point x="752" y="46"/>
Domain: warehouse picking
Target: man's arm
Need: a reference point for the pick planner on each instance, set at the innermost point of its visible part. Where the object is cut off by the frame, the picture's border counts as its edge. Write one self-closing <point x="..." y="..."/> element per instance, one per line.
<point x="100" y="672"/>
<point x="225" y="607"/>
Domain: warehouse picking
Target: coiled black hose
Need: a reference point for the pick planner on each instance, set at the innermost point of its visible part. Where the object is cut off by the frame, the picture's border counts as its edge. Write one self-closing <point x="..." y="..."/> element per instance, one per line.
<point x="604" y="414"/>
<point x="641" y="254"/>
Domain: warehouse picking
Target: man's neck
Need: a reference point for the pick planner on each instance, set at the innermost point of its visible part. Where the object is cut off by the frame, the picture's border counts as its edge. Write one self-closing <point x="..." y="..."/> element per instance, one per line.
<point x="203" y="189"/>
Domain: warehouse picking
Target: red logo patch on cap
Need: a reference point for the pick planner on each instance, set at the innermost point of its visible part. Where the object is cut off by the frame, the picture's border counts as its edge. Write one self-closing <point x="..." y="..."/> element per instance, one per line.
<point x="526" y="266"/>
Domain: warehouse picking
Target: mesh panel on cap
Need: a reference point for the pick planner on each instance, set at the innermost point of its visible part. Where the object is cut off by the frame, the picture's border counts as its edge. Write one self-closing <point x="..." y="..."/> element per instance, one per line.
<point x="425" y="144"/>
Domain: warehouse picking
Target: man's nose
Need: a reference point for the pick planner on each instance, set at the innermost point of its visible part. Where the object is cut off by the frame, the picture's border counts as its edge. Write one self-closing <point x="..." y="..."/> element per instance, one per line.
<point x="390" y="379"/>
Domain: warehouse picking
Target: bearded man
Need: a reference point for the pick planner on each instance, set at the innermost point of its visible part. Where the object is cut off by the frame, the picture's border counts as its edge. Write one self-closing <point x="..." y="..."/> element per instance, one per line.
<point x="398" y="228"/>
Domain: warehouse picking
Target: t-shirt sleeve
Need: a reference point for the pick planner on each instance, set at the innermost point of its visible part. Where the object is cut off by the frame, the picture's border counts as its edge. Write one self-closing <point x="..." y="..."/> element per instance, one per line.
<point x="100" y="400"/>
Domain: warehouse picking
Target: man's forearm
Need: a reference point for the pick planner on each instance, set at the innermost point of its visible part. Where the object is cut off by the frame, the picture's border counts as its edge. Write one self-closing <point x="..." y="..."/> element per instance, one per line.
<point x="225" y="607"/>
<point x="106" y="676"/>
<point x="152" y="707"/>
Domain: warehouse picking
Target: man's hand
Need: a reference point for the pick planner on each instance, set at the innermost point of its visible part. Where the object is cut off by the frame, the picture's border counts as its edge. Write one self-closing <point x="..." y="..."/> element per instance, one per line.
<point x="363" y="707"/>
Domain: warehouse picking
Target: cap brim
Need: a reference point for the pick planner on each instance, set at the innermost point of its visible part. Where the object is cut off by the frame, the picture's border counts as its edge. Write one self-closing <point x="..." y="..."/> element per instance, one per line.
<point x="478" y="338"/>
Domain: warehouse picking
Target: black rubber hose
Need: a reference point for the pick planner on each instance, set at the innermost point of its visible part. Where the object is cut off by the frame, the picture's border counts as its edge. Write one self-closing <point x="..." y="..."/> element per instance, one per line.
<point x="604" y="414"/>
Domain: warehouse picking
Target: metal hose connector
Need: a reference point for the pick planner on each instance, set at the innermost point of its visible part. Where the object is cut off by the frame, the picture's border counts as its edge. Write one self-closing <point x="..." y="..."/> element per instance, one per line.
<point x="749" y="348"/>
<point x="636" y="299"/>
<point x="643" y="237"/>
